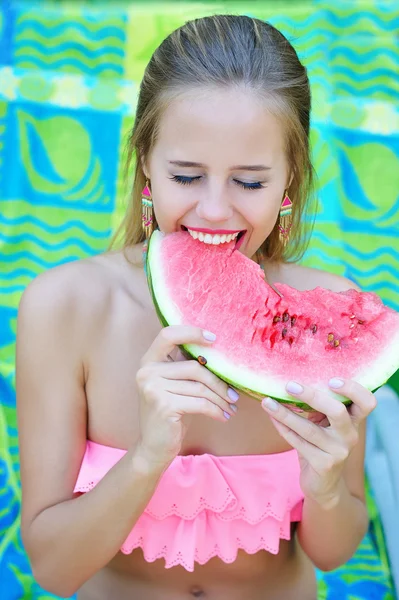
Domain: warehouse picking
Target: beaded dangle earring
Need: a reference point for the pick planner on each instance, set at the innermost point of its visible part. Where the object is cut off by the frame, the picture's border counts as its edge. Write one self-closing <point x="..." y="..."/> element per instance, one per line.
<point x="147" y="214"/>
<point x="147" y="219"/>
<point x="285" y="223"/>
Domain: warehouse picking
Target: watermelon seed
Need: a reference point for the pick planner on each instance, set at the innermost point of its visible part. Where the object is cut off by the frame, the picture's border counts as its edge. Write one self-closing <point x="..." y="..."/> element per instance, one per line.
<point x="352" y="317"/>
<point x="286" y="316"/>
<point x="314" y="328"/>
<point x="202" y="360"/>
<point x="351" y="326"/>
<point x="290" y="341"/>
<point x="360" y="322"/>
<point x="336" y="343"/>
<point x="276" y="319"/>
<point x="330" y="337"/>
<point x="284" y="332"/>
<point x="293" y="320"/>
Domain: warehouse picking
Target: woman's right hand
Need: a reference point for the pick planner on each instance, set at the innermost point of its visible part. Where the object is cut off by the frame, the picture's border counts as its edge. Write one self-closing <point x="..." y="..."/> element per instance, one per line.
<point x="170" y="390"/>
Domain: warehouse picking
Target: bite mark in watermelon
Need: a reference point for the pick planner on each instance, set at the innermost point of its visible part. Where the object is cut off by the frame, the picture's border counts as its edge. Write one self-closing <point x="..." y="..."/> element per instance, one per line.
<point x="264" y="339"/>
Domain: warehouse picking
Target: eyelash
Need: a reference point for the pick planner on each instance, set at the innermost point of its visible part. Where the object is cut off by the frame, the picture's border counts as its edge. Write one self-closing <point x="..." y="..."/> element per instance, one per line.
<point x="185" y="180"/>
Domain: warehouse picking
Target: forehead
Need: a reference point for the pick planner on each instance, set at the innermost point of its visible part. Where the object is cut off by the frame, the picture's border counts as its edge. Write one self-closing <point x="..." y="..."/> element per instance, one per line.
<point x="229" y="123"/>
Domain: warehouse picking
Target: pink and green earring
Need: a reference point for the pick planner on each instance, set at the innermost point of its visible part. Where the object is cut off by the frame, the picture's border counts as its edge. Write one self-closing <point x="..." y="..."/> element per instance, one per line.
<point x="147" y="215"/>
<point x="285" y="223"/>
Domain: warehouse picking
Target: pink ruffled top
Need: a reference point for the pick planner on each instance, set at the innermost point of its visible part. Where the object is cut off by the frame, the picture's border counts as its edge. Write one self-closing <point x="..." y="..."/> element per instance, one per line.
<point x="206" y="505"/>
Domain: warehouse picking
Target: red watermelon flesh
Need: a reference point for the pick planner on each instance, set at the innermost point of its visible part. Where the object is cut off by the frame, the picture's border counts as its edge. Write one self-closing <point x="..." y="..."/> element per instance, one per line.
<point x="263" y="339"/>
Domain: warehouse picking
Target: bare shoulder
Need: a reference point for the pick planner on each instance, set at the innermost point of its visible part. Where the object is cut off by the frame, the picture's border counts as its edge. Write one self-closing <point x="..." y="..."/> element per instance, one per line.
<point x="307" y="278"/>
<point x="66" y="288"/>
<point x="81" y="291"/>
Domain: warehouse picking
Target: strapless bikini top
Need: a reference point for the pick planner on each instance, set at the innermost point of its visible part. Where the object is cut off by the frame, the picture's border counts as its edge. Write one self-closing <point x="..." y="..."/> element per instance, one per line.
<point x="206" y="505"/>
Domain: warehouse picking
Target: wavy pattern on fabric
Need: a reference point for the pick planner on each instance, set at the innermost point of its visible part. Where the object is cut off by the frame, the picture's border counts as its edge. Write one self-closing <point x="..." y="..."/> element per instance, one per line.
<point x="97" y="46"/>
<point x="69" y="74"/>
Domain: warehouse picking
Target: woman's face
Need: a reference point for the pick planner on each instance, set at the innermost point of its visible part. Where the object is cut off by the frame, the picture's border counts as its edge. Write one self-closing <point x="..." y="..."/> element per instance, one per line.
<point x="219" y="165"/>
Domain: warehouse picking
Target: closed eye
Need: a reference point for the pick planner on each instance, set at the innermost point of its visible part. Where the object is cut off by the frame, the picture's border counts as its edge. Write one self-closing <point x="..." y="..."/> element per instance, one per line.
<point x="185" y="180"/>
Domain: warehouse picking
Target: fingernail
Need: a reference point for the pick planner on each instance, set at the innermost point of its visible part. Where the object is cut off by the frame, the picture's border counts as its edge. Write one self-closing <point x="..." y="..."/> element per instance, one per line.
<point x="234" y="407"/>
<point x="226" y="414"/>
<point x="208" y="335"/>
<point x="336" y="383"/>
<point x="294" y="388"/>
<point x="270" y="404"/>
<point x="232" y="394"/>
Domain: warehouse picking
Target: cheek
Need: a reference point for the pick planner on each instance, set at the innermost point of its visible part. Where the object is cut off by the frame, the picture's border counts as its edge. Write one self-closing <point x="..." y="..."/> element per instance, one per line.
<point x="261" y="212"/>
<point x="170" y="207"/>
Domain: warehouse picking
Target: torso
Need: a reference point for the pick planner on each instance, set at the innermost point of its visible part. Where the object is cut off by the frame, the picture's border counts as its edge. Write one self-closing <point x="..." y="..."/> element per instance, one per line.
<point x="124" y="326"/>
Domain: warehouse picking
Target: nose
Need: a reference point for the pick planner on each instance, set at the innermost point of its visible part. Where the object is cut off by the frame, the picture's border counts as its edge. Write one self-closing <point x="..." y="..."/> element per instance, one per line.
<point x="214" y="206"/>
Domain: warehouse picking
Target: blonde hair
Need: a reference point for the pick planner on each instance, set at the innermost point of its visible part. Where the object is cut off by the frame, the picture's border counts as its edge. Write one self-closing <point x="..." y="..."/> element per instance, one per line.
<point x="228" y="50"/>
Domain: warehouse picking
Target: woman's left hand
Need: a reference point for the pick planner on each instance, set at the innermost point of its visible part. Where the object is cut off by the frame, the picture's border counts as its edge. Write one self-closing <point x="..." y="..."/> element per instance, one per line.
<point x="323" y="447"/>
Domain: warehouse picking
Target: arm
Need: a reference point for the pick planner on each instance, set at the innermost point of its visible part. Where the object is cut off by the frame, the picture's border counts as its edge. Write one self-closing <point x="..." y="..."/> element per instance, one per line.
<point x="67" y="537"/>
<point x="330" y="535"/>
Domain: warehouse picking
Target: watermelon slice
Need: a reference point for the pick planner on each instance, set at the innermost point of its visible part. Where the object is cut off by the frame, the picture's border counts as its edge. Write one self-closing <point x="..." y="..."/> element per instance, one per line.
<point x="267" y="335"/>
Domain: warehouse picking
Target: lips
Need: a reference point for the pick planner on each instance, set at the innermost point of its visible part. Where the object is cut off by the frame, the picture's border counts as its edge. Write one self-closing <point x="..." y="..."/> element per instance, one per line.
<point x="240" y="239"/>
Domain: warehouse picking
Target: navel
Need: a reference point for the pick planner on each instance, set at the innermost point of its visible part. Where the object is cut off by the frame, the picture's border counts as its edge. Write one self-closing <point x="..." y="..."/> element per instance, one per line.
<point x="197" y="592"/>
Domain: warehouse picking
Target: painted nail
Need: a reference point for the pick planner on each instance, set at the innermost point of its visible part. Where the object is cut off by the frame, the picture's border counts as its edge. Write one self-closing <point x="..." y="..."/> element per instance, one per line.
<point x="208" y="335"/>
<point x="270" y="404"/>
<point x="232" y="394"/>
<point x="294" y="388"/>
<point x="234" y="407"/>
<point x="226" y="414"/>
<point x="336" y="383"/>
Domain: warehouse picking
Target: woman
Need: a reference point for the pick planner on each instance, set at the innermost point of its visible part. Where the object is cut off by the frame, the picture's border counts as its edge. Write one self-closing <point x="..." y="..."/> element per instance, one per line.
<point x="124" y="446"/>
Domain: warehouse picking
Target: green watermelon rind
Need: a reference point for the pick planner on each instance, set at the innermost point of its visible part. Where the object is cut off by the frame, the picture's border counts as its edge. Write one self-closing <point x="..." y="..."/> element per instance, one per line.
<point x="275" y="386"/>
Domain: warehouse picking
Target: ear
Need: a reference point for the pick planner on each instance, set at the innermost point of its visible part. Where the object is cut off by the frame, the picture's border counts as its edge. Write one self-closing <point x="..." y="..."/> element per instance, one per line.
<point x="144" y="166"/>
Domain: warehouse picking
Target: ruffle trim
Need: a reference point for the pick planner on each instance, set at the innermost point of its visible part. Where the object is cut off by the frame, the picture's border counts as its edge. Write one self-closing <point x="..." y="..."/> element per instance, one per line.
<point x="206" y="506"/>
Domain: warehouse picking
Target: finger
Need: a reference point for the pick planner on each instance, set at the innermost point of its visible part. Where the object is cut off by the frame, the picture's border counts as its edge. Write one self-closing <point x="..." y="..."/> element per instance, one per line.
<point x="335" y="411"/>
<point x="363" y="401"/>
<point x="192" y="370"/>
<point x="199" y="390"/>
<point x="191" y="405"/>
<point x="172" y="336"/>
<point x="311" y="415"/>
<point x="177" y="355"/>
<point x="315" y="456"/>
<point x="305" y="429"/>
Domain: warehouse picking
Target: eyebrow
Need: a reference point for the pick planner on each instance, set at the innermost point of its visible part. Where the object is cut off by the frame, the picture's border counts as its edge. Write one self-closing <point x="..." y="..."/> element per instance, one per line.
<point x="187" y="163"/>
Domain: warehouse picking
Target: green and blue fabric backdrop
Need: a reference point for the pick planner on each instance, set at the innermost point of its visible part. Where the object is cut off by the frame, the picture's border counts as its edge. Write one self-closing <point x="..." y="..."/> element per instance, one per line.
<point x="69" y="76"/>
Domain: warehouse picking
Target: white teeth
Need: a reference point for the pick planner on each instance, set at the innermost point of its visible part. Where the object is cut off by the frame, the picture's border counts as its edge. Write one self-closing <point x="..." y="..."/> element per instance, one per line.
<point x="216" y="239"/>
